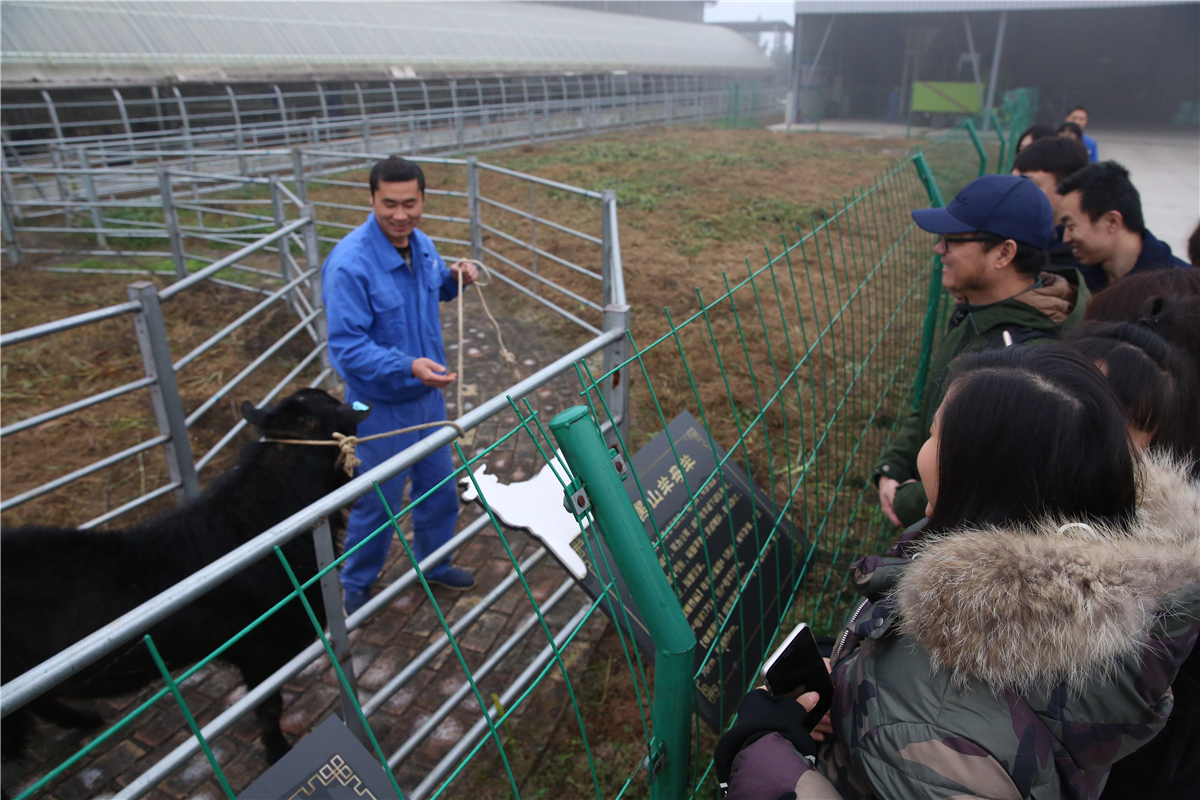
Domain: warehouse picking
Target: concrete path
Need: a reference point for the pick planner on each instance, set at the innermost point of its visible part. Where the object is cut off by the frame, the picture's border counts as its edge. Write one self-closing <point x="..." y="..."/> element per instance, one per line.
<point x="1165" y="168"/>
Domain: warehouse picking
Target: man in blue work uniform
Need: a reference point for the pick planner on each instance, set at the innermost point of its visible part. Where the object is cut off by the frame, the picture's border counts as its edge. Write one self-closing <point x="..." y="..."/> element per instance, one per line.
<point x="382" y="285"/>
<point x="1079" y="116"/>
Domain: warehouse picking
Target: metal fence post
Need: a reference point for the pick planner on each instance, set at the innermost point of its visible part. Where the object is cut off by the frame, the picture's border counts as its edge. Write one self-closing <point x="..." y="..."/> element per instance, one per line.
<point x="533" y="233"/>
<point x="616" y="316"/>
<point x="590" y="461"/>
<point x="89" y="186"/>
<point x="10" y="229"/>
<point x="171" y="216"/>
<point x="280" y="220"/>
<point x="64" y="188"/>
<point x="298" y="174"/>
<point x="312" y="255"/>
<point x="935" y="285"/>
<point x="473" y="208"/>
<point x="974" y="134"/>
<point x="151" y="333"/>
<point x="335" y="618"/>
<point x="1000" y="159"/>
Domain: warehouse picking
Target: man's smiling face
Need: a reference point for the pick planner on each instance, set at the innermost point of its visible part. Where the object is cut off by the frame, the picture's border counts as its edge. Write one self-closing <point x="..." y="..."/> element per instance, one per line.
<point x="398" y="206"/>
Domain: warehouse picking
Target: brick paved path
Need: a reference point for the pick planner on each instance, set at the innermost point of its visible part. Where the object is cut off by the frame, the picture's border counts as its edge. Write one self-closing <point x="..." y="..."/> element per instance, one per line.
<point x="384" y="644"/>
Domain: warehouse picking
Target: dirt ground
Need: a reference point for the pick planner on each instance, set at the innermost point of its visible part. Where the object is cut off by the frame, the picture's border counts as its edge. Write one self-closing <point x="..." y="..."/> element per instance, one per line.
<point x="695" y="205"/>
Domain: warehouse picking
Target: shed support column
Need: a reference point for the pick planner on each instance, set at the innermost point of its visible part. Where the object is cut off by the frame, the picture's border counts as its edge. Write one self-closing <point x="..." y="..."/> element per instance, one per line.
<point x="124" y="117"/>
<point x="974" y="58"/>
<point x="991" y="93"/>
<point x="283" y="120"/>
<point x="58" y="134"/>
<point x="366" y="122"/>
<point x="794" y="111"/>
<point x="237" y="130"/>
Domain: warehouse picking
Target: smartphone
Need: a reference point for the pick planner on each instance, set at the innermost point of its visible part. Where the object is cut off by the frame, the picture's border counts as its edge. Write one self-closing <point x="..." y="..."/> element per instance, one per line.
<point x="797" y="667"/>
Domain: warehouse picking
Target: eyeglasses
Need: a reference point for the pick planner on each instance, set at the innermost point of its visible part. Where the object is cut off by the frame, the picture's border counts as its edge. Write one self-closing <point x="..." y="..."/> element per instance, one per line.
<point x="945" y="243"/>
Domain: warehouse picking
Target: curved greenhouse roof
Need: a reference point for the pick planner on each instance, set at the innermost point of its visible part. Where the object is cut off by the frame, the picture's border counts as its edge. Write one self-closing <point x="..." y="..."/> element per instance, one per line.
<point x="128" y="42"/>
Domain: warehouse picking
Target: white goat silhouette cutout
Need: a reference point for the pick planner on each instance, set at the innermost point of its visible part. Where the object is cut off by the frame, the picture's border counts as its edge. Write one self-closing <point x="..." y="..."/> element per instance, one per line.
<point x="536" y="506"/>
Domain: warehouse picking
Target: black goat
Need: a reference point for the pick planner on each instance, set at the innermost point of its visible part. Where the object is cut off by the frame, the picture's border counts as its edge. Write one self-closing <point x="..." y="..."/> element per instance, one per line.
<point x="59" y="585"/>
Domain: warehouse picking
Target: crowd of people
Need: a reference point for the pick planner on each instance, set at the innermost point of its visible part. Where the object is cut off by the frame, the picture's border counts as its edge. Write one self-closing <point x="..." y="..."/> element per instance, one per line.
<point x="1031" y="632"/>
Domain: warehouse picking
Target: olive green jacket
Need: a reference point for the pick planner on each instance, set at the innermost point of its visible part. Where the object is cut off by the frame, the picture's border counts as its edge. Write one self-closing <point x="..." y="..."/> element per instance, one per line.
<point x="1044" y="312"/>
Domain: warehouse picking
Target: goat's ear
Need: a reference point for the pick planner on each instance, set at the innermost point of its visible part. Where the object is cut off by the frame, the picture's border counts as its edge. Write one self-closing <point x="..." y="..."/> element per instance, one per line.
<point x="255" y="416"/>
<point x="353" y="415"/>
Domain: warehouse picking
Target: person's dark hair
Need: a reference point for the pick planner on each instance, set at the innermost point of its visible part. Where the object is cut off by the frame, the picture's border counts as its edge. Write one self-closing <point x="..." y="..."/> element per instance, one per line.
<point x="1152" y="379"/>
<point x="1077" y="108"/>
<point x="1038" y="132"/>
<point x="1070" y="129"/>
<point x="1029" y="433"/>
<point x="1106" y="187"/>
<point x="1029" y="260"/>
<point x="1059" y="155"/>
<point x="1194" y="247"/>
<point x="1167" y="301"/>
<point x="396" y="170"/>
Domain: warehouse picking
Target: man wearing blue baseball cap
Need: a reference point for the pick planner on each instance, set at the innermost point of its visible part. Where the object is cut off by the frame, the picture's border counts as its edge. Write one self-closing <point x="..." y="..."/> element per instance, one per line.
<point x="992" y="240"/>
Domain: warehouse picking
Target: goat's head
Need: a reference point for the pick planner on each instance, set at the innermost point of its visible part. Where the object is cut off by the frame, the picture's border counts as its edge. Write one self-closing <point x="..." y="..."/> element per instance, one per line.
<point x="307" y="414"/>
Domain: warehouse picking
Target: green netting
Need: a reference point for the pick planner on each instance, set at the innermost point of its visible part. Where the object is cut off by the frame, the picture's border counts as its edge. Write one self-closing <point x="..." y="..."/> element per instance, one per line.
<point x="801" y="368"/>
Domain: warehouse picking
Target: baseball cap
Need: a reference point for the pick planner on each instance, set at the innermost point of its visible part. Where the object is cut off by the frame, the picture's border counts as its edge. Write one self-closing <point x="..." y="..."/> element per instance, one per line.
<point x="1011" y="206"/>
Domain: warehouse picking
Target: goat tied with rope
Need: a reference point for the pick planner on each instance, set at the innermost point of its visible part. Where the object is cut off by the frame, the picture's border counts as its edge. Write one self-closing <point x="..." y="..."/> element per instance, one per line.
<point x="60" y="585"/>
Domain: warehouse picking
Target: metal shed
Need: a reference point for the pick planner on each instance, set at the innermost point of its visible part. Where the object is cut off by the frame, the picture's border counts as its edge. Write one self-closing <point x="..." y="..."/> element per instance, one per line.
<point x="1134" y="60"/>
<point x="112" y="43"/>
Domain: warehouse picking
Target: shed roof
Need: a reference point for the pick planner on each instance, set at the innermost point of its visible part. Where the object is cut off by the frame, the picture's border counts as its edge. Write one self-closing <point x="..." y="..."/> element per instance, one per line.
<point x="936" y="6"/>
<point x="61" y="42"/>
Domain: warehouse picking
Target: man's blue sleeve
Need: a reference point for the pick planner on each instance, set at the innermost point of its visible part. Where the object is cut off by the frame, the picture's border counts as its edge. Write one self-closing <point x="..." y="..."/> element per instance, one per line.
<point x="348" y="318"/>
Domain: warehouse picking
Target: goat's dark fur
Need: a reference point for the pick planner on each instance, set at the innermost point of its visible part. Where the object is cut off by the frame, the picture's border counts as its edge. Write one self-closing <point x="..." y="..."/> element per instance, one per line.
<point x="59" y="585"/>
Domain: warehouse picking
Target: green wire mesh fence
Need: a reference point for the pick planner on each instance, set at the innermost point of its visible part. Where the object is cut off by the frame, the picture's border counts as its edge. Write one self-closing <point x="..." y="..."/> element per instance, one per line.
<point x="731" y="512"/>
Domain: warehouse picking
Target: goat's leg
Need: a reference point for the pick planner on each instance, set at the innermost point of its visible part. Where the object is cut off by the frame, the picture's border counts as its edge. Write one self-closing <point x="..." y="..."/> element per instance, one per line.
<point x="269" y="713"/>
<point x="256" y="663"/>
<point x="14" y="732"/>
<point x="64" y="716"/>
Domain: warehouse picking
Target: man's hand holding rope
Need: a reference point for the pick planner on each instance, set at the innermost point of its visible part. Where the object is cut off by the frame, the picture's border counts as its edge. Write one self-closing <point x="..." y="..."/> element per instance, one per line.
<point x="469" y="272"/>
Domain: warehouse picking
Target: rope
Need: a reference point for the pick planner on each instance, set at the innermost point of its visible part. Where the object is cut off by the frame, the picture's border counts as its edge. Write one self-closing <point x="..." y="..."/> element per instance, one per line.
<point x="347" y="460"/>
<point x="505" y="353"/>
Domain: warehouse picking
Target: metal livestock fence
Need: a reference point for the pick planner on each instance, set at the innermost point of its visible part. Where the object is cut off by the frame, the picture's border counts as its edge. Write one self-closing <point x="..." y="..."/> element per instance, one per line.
<point x="797" y="375"/>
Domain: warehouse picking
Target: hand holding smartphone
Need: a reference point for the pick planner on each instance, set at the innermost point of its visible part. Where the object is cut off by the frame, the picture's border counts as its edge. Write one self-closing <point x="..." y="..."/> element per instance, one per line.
<point x="797" y="667"/>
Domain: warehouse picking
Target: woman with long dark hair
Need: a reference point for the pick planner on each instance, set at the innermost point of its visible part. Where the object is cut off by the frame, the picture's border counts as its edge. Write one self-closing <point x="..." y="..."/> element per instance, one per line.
<point x="1025" y="637"/>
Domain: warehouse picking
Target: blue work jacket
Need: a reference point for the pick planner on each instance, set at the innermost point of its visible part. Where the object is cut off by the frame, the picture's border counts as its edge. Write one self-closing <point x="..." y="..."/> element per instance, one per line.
<point x="381" y="315"/>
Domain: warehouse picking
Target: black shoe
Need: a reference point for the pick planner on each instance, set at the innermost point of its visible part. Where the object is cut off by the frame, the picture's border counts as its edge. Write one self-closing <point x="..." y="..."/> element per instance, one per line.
<point x="453" y="578"/>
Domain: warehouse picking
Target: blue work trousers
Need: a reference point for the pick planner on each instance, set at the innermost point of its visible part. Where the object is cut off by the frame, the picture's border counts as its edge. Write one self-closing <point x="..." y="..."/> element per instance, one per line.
<point x="433" y="519"/>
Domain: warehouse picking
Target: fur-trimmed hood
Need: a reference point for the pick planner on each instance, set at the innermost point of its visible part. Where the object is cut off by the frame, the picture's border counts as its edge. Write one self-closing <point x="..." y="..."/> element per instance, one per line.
<point x="1028" y="607"/>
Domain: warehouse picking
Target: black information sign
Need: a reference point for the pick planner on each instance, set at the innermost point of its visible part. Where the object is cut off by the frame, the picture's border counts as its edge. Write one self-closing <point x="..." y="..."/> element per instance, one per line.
<point x="732" y="577"/>
<point x="328" y="764"/>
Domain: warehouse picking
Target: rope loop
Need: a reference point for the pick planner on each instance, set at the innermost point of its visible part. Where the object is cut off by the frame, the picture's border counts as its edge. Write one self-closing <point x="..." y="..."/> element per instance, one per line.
<point x="347" y="459"/>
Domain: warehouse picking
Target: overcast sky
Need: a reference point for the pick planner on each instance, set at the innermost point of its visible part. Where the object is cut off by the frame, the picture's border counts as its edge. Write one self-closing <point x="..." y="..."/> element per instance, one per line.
<point x="751" y="10"/>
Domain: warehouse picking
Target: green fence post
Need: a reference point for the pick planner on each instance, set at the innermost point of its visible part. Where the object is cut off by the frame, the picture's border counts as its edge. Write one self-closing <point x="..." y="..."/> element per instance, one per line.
<point x="974" y="134"/>
<point x="935" y="284"/>
<point x="1000" y="162"/>
<point x="591" y="463"/>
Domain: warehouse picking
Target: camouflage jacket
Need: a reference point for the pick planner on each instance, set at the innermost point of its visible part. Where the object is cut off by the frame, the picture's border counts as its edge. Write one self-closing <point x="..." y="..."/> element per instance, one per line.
<point x="1009" y="664"/>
